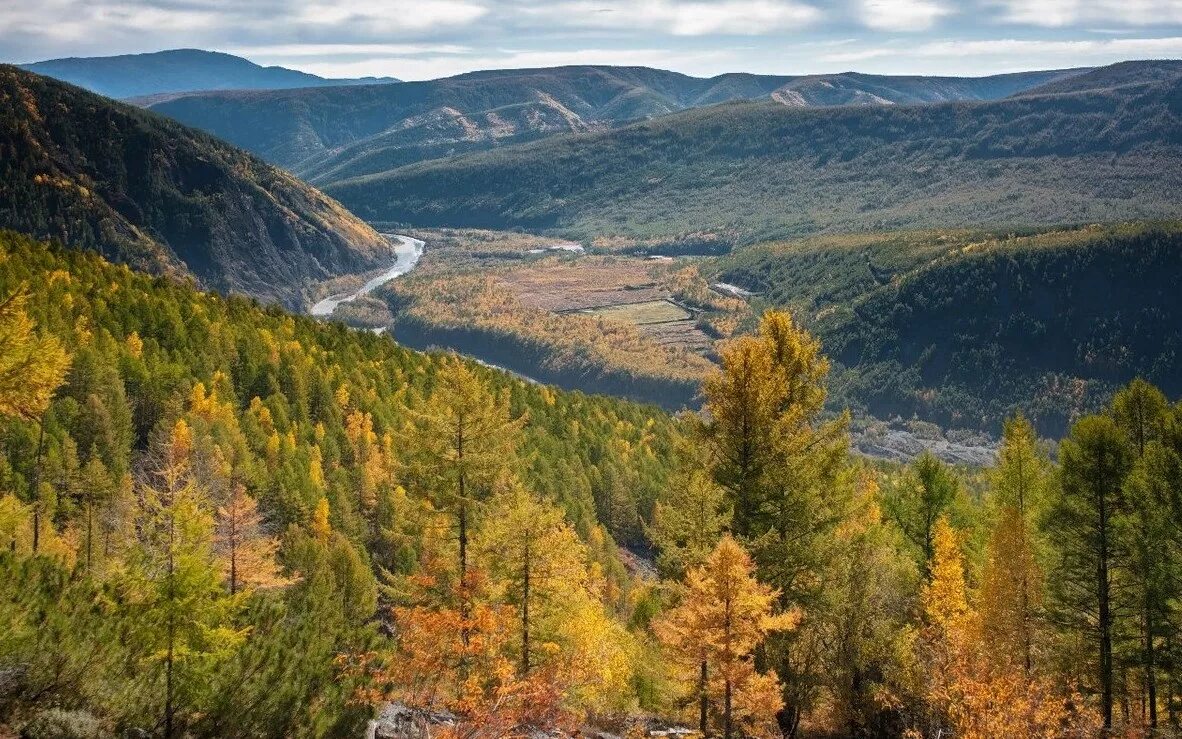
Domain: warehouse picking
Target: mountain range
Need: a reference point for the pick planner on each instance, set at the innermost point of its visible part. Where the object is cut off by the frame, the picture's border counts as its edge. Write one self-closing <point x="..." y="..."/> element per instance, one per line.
<point x="328" y="134"/>
<point x="178" y="71"/>
<point x="149" y="192"/>
<point x="753" y="170"/>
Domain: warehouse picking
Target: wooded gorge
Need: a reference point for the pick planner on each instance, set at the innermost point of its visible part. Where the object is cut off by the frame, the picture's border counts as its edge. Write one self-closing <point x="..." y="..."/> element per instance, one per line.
<point x="221" y="519"/>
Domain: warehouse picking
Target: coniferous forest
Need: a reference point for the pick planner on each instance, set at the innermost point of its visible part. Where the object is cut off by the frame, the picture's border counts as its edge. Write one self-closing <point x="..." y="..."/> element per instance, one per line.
<point x="733" y="406"/>
<point x="220" y="519"/>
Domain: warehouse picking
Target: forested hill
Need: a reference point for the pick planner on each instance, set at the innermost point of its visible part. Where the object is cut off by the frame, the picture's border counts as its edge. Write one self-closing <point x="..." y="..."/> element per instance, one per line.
<point x="312" y="458"/>
<point x="177" y="70"/>
<point x="755" y="170"/>
<point x="326" y="135"/>
<point x="1115" y="75"/>
<point x="145" y="190"/>
<point x="964" y="328"/>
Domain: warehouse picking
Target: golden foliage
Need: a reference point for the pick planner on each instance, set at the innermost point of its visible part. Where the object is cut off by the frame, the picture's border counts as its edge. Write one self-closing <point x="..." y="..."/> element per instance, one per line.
<point x="31" y="367"/>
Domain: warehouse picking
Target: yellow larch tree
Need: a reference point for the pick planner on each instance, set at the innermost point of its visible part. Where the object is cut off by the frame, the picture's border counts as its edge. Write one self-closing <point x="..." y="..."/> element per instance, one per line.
<point x="245" y="551"/>
<point x="724" y="615"/>
<point x="32" y="367"/>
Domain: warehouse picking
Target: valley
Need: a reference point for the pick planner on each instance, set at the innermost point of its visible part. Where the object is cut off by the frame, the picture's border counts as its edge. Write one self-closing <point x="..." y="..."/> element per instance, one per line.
<point x="588" y="401"/>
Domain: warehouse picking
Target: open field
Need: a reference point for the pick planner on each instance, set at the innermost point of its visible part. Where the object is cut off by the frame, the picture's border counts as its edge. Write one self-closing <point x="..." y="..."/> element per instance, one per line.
<point x="643" y="314"/>
<point x="580" y="284"/>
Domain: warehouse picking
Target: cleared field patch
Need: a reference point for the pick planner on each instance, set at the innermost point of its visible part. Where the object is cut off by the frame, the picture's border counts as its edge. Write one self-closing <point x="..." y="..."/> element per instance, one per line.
<point x="591" y="282"/>
<point x="642" y="314"/>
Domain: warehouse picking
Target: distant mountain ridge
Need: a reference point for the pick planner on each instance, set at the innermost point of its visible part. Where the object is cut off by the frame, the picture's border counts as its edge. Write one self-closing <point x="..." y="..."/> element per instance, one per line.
<point x="149" y="192"/>
<point x="754" y="170"/>
<point x="329" y="134"/>
<point x="179" y="71"/>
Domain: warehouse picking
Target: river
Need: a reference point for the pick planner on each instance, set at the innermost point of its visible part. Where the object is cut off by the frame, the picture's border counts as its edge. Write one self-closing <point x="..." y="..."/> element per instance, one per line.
<point x="407" y="253"/>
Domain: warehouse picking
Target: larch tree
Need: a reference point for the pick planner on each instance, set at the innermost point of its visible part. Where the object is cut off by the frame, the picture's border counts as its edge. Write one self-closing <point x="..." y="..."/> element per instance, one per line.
<point x="784" y="471"/>
<point x="742" y="400"/>
<point x="467" y="437"/>
<point x="32" y="367"/>
<point x="95" y="488"/>
<point x="182" y="625"/>
<point x="533" y="554"/>
<point x="1094" y="461"/>
<point x="689" y="518"/>
<point x="927" y="494"/>
<point x="724" y="615"/>
<point x="865" y="618"/>
<point x="1141" y="411"/>
<point x="1013" y="585"/>
<point x="245" y="551"/>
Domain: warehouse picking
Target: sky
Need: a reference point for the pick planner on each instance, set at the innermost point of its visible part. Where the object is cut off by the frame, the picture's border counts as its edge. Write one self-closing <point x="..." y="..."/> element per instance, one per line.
<point x="426" y="39"/>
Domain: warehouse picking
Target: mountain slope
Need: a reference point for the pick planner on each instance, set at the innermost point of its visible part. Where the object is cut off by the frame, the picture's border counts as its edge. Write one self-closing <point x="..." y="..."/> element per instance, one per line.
<point x="757" y="170"/>
<point x="149" y="192"/>
<point x="325" y="135"/>
<point x="1113" y="76"/>
<point x="963" y="328"/>
<point x="177" y="70"/>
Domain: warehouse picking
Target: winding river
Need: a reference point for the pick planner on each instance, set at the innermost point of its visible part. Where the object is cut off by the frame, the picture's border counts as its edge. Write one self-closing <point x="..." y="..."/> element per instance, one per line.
<point x="407" y="253"/>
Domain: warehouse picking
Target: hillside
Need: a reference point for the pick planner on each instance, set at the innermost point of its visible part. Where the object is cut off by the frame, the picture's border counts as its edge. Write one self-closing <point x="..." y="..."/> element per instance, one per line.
<point x="145" y="190"/>
<point x="1112" y="76"/>
<point x="759" y="170"/>
<point x="311" y="427"/>
<point x="325" y="135"/>
<point x="961" y="328"/>
<point x="178" y="70"/>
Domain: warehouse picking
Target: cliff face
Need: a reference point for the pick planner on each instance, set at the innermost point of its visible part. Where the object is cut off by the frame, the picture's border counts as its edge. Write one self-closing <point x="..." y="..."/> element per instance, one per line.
<point x="159" y="196"/>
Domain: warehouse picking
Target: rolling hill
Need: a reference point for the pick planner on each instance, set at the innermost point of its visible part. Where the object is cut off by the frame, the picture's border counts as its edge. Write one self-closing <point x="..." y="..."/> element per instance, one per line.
<point x="178" y="70"/>
<point x="326" y="135"/>
<point x="757" y="170"/>
<point x="964" y="327"/>
<point x="147" y="191"/>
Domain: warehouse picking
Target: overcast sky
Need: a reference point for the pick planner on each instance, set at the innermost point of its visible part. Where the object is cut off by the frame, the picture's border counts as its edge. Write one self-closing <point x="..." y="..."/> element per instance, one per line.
<point x="424" y="39"/>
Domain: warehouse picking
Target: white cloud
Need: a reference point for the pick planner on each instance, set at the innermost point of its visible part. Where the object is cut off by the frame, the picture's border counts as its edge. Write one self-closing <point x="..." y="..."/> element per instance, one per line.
<point x="729" y="17"/>
<point x="704" y="63"/>
<point x="1121" y="48"/>
<point x="287" y="51"/>
<point x="399" y="16"/>
<point x="994" y="56"/>
<point x="1060" y="13"/>
<point x="901" y="15"/>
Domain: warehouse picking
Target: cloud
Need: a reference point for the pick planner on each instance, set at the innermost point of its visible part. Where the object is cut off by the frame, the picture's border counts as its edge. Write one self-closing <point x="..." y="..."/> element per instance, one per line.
<point x="901" y="15"/>
<point x="418" y="39"/>
<point x="400" y="16"/>
<point x="994" y="56"/>
<point x="729" y="17"/>
<point x="432" y="67"/>
<point x="1062" y="13"/>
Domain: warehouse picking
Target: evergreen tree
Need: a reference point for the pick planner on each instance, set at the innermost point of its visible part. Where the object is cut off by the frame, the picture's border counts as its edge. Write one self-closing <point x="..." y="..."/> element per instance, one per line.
<point x="1095" y="459"/>
<point x="928" y="494"/>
